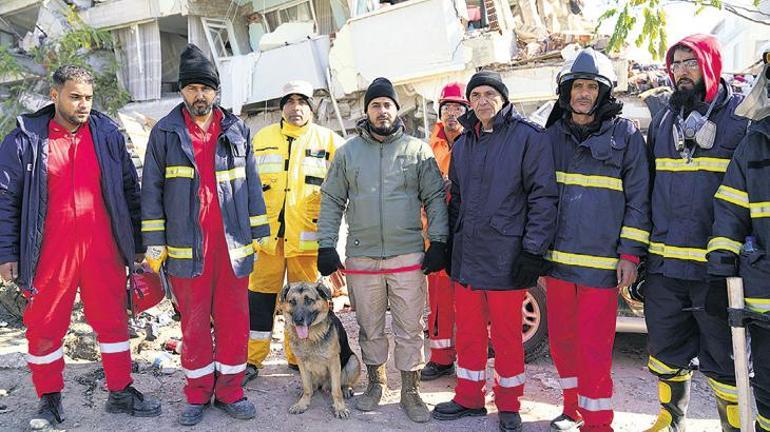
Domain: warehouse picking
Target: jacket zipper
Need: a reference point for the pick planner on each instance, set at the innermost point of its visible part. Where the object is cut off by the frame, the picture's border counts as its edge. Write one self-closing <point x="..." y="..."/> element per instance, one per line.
<point x="382" y="230"/>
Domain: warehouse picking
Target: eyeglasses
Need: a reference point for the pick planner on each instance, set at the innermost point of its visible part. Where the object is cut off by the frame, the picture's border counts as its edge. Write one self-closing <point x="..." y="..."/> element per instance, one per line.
<point x="689" y="64"/>
<point x="453" y="109"/>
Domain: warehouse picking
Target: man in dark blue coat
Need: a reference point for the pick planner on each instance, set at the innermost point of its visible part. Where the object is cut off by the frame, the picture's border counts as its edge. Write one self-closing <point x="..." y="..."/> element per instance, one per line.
<point x="502" y="217"/>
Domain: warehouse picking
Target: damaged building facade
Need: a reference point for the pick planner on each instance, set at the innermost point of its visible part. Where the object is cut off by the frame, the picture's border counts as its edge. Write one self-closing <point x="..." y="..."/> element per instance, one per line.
<point x="339" y="46"/>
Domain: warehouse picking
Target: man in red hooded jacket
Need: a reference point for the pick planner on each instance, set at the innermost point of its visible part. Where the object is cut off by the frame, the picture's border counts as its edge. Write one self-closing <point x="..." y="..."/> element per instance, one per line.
<point x="691" y="143"/>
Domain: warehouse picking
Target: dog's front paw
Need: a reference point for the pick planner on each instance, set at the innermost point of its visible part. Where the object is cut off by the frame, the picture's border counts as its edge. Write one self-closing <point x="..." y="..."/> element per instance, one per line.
<point x="342" y="413"/>
<point x="299" y="407"/>
<point x="347" y="392"/>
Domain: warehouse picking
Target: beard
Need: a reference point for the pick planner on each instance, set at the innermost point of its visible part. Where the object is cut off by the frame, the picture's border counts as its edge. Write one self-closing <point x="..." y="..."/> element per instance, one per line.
<point x="75" y="120"/>
<point x="383" y="131"/>
<point x="198" y="109"/>
<point x="688" y="98"/>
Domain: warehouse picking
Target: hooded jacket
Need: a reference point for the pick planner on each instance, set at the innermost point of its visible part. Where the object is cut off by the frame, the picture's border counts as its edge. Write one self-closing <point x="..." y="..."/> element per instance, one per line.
<point x="706" y="50"/>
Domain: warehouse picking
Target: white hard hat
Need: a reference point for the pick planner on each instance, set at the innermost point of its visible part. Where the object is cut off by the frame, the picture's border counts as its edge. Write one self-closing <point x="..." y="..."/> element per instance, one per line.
<point x="302" y="88"/>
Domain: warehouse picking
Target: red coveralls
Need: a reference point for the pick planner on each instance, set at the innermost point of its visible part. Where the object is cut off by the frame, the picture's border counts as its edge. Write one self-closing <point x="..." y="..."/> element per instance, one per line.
<point x="216" y="294"/>
<point x="78" y="250"/>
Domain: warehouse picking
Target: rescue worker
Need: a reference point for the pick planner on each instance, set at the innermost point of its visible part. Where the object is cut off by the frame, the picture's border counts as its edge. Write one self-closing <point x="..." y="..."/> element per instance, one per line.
<point x="380" y="180"/>
<point x="292" y="156"/>
<point x="603" y="229"/>
<point x="742" y="233"/>
<point x="502" y="214"/>
<point x="691" y="143"/>
<point x="69" y="202"/>
<point x="202" y="213"/>
<point x="441" y="321"/>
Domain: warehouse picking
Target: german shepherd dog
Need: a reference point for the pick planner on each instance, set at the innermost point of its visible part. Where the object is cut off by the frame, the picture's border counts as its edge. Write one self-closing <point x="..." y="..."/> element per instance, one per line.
<point x="320" y="343"/>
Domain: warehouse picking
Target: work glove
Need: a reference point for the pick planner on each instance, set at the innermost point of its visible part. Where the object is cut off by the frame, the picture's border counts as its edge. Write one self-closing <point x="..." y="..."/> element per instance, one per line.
<point x="155" y="257"/>
<point x="716" y="298"/>
<point x="527" y="268"/>
<point x="435" y="258"/>
<point x="328" y="261"/>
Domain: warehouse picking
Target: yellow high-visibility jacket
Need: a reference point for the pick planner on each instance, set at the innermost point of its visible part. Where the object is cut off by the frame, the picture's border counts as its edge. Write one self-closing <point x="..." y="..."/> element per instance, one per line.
<point x="294" y="181"/>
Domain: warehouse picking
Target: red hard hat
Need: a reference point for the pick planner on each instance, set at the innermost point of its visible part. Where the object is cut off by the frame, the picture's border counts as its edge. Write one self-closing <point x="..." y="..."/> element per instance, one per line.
<point x="453" y="92"/>
<point x="146" y="289"/>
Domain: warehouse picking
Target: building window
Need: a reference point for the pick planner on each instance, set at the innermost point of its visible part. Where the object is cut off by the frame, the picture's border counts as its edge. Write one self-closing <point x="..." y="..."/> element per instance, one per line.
<point x="297" y="11"/>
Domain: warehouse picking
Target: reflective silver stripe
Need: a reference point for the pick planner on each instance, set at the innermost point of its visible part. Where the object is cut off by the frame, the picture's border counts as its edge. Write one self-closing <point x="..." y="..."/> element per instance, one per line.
<point x="229" y="370"/>
<point x="724" y="391"/>
<point x="590" y="404"/>
<point x="153" y="225"/>
<point x="733" y="196"/>
<point x="514" y="381"/>
<point x="440" y="343"/>
<point x="46" y="359"/>
<point x="568" y="383"/>
<point x="179" y="253"/>
<point x="694" y="164"/>
<point x="594" y="181"/>
<point x="760" y="209"/>
<point x="270" y="163"/>
<point x="470" y="375"/>
<point x="260" y="335"/>
<point x="725" y="243"/>
<point x="764" y="422"/>
<point x="179" y="171"/>
<point x="116" y="347"/>
<point x="591" y="261"/>
<point x="271" y="168"/>
<point x="257" y="220"/>
<point x="308" y="235"/>
<point x="198" y="373"/>
<point x="760" y="305"/>
<point x="241" y="252"/>
<point x="636" y="234"/>
<point x="230" y="175"/>
<point x="677" y="252"/>
<point x="269" y="158"/>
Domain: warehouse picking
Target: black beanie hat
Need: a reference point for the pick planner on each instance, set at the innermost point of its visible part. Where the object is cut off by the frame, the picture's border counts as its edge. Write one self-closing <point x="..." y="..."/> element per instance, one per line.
<point x="196" y="68"/>
<point x="490" y="78"/>
<point x="380" y="87"/>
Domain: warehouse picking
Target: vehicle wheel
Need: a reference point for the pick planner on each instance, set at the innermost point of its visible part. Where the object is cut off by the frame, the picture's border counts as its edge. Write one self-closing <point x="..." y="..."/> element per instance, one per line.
<point x="535" y="324"/>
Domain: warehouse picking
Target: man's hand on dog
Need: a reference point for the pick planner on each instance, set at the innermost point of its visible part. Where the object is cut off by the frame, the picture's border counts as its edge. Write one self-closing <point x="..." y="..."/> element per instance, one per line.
<point x="328" y="261"/>
<point x="435" y="258"/>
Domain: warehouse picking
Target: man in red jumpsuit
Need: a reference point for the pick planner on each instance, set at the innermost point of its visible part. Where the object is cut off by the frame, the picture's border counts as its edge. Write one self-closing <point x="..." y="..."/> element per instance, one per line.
<point x="202" y="211"/>
<point x="69" y="202"/>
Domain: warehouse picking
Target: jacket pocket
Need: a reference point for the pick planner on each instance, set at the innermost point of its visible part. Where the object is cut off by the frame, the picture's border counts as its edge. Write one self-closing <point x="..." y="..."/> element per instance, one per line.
<point x="408" y="167"/>
<point x="507" y="226"/>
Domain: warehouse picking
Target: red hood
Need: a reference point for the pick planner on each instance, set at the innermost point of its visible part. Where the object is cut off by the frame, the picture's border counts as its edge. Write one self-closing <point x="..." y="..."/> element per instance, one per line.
<point x="706" y="49"/>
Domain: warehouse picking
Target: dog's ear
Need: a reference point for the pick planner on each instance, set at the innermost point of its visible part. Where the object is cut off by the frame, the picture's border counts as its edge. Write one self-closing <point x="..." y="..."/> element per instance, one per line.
<point x="284" y="293"/>
<point x="323" y="290"/>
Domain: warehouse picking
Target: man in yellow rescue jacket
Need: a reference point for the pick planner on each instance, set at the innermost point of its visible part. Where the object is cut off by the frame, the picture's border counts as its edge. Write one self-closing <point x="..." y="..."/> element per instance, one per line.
<point x="292" y="156"/>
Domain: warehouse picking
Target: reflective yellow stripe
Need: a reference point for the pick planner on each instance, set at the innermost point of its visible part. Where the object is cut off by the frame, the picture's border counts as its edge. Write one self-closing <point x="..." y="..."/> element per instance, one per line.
<point x="153" y="225"/>
<point x="724" y="391"/>
<point x="308" y="240"/>
<point x="180" y="253"/>
<point x="241" y="252"/>
<point x="635" y="234"/>
<point x="676" y="252"/>
<point x="594" y="181"/>
<point x="764" y="422"/>
<point x="230" y="175"/>
<point x="257" y="220"/>
<point x="179" y="171"/>
<point x="270" y="163"/>
<point x="760" y="209"/>
<point x="696" y="164"/>
<point x="591" y="261"/>
<point x="760" y="305"/>
<point x="724" y="243"/>
<point x="661" y="368"/>
<point x="733" y="196"/>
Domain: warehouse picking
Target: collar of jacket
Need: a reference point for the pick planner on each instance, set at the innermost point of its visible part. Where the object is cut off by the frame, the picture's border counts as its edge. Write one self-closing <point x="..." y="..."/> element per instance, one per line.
<point x="601" y="143"/>
<point x="36" y="124"/>
<point x="293" y="131"/>
<point x="362" y="127"/>
<point x="472" y="124"/>
<point x="761" y="127"/>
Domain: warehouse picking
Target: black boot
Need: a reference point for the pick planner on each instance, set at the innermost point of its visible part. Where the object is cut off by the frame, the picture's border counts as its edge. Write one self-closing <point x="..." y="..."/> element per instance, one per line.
<point x="729" y="415"/>
<point x="509" y="421"/>
<point x="131" y="401"/>
<point x="192" y="414"/>
<point x="674" y="398"/>
<point x="432" y="371"/>
<point x="452" y="411"/>
<point x="50" y="409"/>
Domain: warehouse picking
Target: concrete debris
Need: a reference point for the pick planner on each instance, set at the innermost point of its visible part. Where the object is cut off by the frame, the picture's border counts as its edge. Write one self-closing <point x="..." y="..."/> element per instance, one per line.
<point x="12" y="361"/>
<point x="548" y="381"/>
<point x="81" y="346"/>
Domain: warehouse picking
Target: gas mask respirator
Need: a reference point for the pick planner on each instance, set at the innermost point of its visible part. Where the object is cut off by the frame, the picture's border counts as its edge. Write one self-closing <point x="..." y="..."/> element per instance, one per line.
<point x="696" y="127"/>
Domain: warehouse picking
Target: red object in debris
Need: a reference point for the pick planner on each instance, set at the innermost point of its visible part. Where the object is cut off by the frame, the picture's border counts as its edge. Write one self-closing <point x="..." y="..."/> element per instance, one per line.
<point x="146" y="289"/>
<point x="173" y="345"/>
<point x="474" y="13"/>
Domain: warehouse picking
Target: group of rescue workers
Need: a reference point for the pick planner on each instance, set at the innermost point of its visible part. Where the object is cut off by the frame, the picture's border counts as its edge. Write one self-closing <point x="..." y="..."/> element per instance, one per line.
<point x="498" y="200"/>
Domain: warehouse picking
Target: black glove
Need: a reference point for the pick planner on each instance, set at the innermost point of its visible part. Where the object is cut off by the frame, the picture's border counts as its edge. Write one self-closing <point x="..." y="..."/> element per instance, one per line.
<point x="328" y="261"/>
<point x="716" y="298"/>
<point x="435" y="258"/>
<point x="527" y="269"/>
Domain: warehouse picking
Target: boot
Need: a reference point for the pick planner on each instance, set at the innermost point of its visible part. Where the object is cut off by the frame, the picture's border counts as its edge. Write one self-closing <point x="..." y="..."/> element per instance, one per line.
<point x="509" y="421"/>
<point x="50" y="409"/>
<point x="432" y="371"/>
<point x="191" y="414"/>
<point x="241" y="409"/>
<point x="131" y="401"/>
<point x="674" y="398"/>
<point x="729" y="415"/>
<point x="378" y="383"/>
<point x="411" y="402"/>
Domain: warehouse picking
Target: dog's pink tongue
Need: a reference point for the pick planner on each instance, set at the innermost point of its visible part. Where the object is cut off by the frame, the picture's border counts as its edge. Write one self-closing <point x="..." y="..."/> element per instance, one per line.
<point x="301" y="331"/>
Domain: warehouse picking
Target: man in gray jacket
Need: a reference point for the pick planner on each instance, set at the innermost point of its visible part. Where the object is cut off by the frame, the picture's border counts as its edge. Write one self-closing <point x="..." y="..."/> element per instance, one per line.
<point x="380" y="180"/>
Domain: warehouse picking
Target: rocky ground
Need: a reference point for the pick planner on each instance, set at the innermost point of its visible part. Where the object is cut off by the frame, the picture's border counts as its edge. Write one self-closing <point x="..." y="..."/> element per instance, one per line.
<point x="157" y="372"/>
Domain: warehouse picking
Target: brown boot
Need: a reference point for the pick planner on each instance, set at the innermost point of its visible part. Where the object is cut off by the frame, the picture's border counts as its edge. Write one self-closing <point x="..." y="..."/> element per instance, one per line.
<point x="378" y="383"/>
<point x="411" y="402"/>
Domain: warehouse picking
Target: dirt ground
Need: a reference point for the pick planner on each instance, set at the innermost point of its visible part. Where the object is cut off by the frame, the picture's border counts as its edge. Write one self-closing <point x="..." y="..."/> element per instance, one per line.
<point x="277" y="388"/>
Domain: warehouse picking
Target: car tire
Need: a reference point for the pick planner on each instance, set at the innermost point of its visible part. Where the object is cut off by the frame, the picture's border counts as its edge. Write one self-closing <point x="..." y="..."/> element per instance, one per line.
<point x="535" y="323"/>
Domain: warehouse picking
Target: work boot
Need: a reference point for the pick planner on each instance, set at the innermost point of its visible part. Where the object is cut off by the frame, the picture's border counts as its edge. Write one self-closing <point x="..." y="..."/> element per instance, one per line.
<point x="509" y="421"/>
<point x="378" y="383"/>
<point x="411" y="402"/>
<point x="729" y="414"/>
<point x="191" y="414"/>
<point x="566" y="423"/>
<point x="241" y="409"/>
<point x="452" y="411"/>
<point x="674" y="398"/>
<point x="50" y="409"/>
<point x="131" y="401"/>
<point x="250" y="374"/>
<point x="435" y="370"/>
